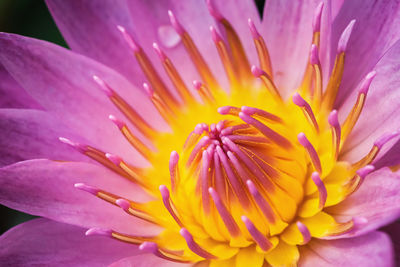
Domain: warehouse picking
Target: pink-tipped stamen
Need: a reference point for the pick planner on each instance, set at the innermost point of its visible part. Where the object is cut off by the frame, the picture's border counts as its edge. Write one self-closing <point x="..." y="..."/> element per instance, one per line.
<point x="104" y="86"/>
<point x="174" y="170"/>
<point x="148" y="89"/>
<point x="229" y="110"/>
<point x="79" y="147"/>
<point x="316" y="24"/>
<point x="311" y="151"/>
<point x="367" y="82"/>
<point x="363" y="172"/>
<point x="261" y="113"/>
<point x="193" y="246"/>
<point x="307" y="110"/>
<point x="152" y="247"/>
<point x="168" y="204"/>
<point x="205" y="180"/>
<point x="123" y="204"/>
<point x="261" y="202"/>
<point x="258" y="237"/>
<point x="344" y="38"/>
<point x="314" y="57"/>
<point x="322" y="193"/>
<point x="99" y="231"/>
<point x="114" y="158"/>
<point x="129" y="40"/>
<point x="226" y="217"/>
<point x="87" y="188"/>
<point x="336" y="131"/>
<point x="304" y="232"/>
<point x="120" y="124"/>
<point x="214" y="11"/>
<point x="267" y="80"/>
<point x="204" y="142"/>
<point x="159" y="52"/>
<point x="175" y="23"/>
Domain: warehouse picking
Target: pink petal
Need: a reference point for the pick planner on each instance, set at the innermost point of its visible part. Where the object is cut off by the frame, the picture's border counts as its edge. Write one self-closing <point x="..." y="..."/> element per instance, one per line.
<point x="370" y="250"/>
<point x="287" y="29"/>
<point x="377" y="200"/>
<point x="380" y="114"/>
<point x="28" y="134"/>
<point x="12" y="95"/>
<point x="375" y="31"/>
<point x="47" y="243"/>
<point x="393" y="230"/>
<point x="46" y="188"/>
<point x="61" y="81"/>
<point x="146" y="260"/>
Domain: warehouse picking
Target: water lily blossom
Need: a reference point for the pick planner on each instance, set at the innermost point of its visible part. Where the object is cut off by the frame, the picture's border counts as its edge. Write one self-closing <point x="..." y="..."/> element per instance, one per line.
<point x="195" y="133"/>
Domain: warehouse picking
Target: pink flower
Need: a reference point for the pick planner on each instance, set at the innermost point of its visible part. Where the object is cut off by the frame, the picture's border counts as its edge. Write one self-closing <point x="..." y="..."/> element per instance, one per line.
<point x="290" y="162"/>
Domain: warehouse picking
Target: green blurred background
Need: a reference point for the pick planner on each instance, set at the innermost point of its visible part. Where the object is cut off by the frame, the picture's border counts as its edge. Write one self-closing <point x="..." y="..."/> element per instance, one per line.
<point x="31" y="18"/>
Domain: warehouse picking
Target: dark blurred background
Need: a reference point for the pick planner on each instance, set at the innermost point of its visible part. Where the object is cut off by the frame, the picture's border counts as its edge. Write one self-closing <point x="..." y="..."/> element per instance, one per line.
<point x="31" y="18"/>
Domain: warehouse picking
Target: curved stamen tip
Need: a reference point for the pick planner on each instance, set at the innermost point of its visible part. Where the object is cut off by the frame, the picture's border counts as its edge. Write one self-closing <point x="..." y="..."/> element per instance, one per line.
<point x="314" y="57"/>
<point x="174" y="158"/>
<point x="120" y="124"/>
<point x="253" y="29"/>
<point x="215" y="35"/>
<point x="148" y="89"/>
<point x="303" y="139"/>
<point x="87" y="188"/>
<point x="164" y="191"/>
<point x="175" y="23"/>
<point x="257" y="72"/>
<point x="252" y="188"/>
<point x="197" y="84"/>
<point x="129" y="40"/>
<point x="304" y="232"/>
<point x="363" y="172"/>
<point x="98" y="231"/>
<point x="344" y="38"/>
<point x="214" y="11"/>
<point x="224" y="110"/>
<point x="113" y="158"/>
<point x="159" y="52"/>
<point x="123" y="204"/>
<point x="367" y="82"/>
<point x="298" y="100"/>
<point x="150" y="247"/>
<point x="333" y="118"/>
<point x="317" y="17"/>
<point x="381" y="141"/>
<point x="81" y="148"/>
<point x="107" y="90"/>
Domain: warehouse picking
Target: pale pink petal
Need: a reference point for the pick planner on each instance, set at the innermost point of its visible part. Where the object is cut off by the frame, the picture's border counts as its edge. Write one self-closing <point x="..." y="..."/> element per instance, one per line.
<point x="146" y="260"/>
<point x="393" y="230"/>
<point x="377" y="200"/>
<point x="48" y="243"/>
<point x="28" y="134"/>
<point x="61" y="81"/>
<point x="381" y="113"/>
<point x="46" y="188"/>
<point x="370" y="250"/>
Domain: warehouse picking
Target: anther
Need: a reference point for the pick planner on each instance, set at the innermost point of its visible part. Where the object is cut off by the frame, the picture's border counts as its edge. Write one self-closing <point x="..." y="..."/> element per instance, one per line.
<point x="87" y="188"/>
<point x="258" y="237"/>
<point x="99" y="231"/>
<point x="304" y="232"/>
<point x="204" y="142"/>
<point x="153" y="248"/>
<point x="204" y="92"/>
<point x="134" y="209"/>
<point x="308" y="113"/>
<point x="311" y="151"/>
<point x="175" y="23"/>
<point x="132" y="173"/>
<point x="344" y="38"/>
<point x="129" y="40"/>
<point x="336" y="132"/>
<point x="316" y="24"/>
<point x="358" y="179"/>
<point x="267" y="80"/>
<point x="174" y="170"/>
<point x="229" y="110"/>
<point x="262" y="50"/>
<point x="193" y="246"/>
<point x="163" y="109"/>
<point x="314" y="61"/>
<point x="79" y="147"/>
<point x="322" y="193"/>
<point x="226" y="217"/>
<point x="168" y="204"/>
<point x="205" y="180"/>
<point x="260" y="113"/>
<point x="261" y="202"/>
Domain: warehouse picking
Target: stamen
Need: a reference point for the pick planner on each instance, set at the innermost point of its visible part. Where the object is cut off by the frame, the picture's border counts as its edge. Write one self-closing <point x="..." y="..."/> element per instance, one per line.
<point x="163" y="109"/>
<point x="304" y="232"/>
<point x="337" y="72"/>
<point x="193" y="246"/>
<point x="234" y="129"/>
<point x="336" y="132"/>
<point x="168" y="204"/>
<point x="226" y="217"/>
<point x="126" y="109"/>
<point x="229" y="110"/>
<point x="262" y="50"/>
<point x="261" y="113"/>
<point x="378" y="144"/>
<point x="204" y="92"/>
<point x="233" y="181"/>
<point x="149" y="70"/>
<point x="354" y="114"/>
<point x="267" y="80"/>
<point x="261" y="203"/>
<point x="358" y="179"/>
<point x="99" y="231"/>
<point x="308" y="113"/>
<point x="266" y="131"/>
<point x="322" y="193"/>
<point x="314" y="61"/>
<point x="152" y="247"/>
<point x="132" y="139"/>
<point x="134" y="209"/>
<point x="193" y="52"/>
<point x="205" y="180"/>
<point x="204" y="142"/>
<point x="258" y="237"/>
<point x="311" y="151"/>
<point x="123" y="237"/>
<point x="79" y="147"/>
<point x="316" y="24"/>
<point x="174" y="170"/>
<point x="174" y="76"/>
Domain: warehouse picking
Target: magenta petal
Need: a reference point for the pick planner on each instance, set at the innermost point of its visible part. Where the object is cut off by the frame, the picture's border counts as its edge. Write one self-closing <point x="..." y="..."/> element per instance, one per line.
<point x="377" y="200"/>
<point x="28" y="134"/>
<point x="146" y="260"/>
<point x="42" y="242"/>
<point x="373" y="249"/>
<point x="380" y="114"/>
<point x="393" y="230"/>
<point x="61" y="81"/>
<point x="46" y="188"/>
<point x="375" y="31"/>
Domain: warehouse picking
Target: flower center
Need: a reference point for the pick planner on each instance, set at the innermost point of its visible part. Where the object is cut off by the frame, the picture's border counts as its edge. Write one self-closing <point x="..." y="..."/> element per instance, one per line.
<point x="251" y="175"/>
